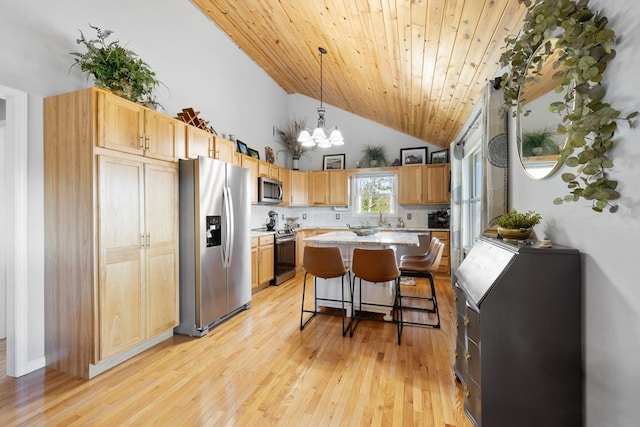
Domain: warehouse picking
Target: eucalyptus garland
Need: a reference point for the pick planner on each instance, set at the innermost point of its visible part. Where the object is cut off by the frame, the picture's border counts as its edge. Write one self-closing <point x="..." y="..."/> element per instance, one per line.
<point x="584" y="44"/>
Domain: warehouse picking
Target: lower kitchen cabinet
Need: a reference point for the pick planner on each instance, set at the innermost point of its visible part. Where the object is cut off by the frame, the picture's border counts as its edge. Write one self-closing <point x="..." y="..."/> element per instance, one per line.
<point x="262" y="260"/>
<point x="445" y="264"/>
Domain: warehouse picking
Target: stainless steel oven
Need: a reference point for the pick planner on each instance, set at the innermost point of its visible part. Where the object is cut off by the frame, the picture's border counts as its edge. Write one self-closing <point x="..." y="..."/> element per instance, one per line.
<point x="285" y="256"/>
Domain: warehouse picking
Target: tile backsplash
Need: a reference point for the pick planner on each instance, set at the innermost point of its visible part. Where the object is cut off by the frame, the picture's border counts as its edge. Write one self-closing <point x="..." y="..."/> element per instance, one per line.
<point x="412" y="216"/>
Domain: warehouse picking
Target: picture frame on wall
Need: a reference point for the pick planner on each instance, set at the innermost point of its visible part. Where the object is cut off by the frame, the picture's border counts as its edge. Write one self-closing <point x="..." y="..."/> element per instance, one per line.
<point x="333" y="161"/>
<point x="413" y="156"/>
<point x="254" y="153"/>
<point x="242" y="147"/>
<point x="441" y="156"/>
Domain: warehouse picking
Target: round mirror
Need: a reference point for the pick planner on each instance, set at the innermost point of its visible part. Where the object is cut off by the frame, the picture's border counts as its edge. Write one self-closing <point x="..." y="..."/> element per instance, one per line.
<point x="539" y="143"/>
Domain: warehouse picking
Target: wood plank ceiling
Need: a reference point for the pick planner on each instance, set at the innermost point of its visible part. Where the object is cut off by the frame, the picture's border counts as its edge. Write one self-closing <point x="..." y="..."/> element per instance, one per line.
<point x="418" y="66"/>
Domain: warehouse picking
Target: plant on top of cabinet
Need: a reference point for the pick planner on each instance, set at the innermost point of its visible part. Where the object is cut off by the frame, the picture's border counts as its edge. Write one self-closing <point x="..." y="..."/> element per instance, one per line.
<point x="288" y="138"/>
<point x="117" y="68"/>
<point x="373" y="156"/>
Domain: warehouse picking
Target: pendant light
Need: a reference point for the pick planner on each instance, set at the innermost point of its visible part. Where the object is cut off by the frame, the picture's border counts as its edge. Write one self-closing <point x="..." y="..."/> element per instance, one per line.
<point x="318" y="136"/>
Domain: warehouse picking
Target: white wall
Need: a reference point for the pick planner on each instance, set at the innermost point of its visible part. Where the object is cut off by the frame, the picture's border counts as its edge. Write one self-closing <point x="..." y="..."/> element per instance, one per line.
<point x="357" y="132"/>
<point x="608" y="242"/>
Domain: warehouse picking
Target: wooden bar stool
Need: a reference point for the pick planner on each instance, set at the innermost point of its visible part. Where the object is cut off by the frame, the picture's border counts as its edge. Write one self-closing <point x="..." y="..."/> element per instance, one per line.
<point x="324" y="263"/>
<point x="377" y="265"/>
<point x="424" y="268"/>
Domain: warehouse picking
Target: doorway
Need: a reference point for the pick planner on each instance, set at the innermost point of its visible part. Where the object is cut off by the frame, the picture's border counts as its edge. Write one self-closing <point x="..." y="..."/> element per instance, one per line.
<point x="13" y="226"/>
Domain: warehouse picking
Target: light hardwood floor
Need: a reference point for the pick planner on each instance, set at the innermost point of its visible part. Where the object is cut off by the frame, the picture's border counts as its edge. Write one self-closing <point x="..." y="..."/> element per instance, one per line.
<point x="258" y="368"/>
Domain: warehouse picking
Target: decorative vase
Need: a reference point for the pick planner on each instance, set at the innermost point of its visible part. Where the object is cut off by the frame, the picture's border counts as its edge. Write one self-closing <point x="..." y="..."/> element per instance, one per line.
<point x="296" y="163"/>
<point x="514" y="235"/>
<point x="536" y="151"/>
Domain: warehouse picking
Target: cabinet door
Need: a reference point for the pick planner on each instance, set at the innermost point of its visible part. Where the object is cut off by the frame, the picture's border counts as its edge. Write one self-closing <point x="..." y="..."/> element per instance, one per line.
<point x="265" y="263"/>
<point x="199" y="143"/>
<point x="223" y="149"/>
<point x="299" y="184"/>
<point x="318" y="188"/>
<point x="444" y="262"/>
<point x="252" y="164"/>
<point x="254" y="263"/>
<point x="121" y="261"/>
<point x="285" y="178"/>
<point x="436" y="183"/>
<point x="410" y="185"/>
<point x="338" y="188"/>
<point x="120" y="124"/>
<point x="160" y="136"/>
<point x="161" y="243"/>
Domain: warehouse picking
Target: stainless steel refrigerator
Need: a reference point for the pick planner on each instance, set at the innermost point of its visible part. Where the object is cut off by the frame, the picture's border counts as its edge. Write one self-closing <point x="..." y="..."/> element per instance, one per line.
<point x="215" y="243"/>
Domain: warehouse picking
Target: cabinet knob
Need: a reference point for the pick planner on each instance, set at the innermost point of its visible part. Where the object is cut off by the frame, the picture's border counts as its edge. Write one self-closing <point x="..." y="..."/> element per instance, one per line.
<point x="466" y="320"/>
<point x="141" y="144"/>
<point x="146" y="142"/>
<point x="142" y="241"/>
<point x="466" y="391"/>
<point x="467" y="355"/>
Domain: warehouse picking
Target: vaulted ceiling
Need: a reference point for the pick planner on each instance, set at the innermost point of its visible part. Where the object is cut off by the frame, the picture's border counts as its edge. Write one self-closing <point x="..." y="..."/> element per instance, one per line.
<point x="418" y="66"/>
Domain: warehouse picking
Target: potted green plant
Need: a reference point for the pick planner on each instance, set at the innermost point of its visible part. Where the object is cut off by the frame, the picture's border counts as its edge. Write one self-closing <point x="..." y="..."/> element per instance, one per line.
<point x="373" y="156"/>
<point x="539" y="143"/>
<point x="116" y="68"/>
<point x="514" y="226"/>
<point x="288" y="138"/>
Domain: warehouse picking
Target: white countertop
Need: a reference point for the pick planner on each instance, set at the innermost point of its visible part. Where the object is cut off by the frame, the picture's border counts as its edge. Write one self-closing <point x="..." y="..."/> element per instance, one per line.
<point x="382" y="238"/>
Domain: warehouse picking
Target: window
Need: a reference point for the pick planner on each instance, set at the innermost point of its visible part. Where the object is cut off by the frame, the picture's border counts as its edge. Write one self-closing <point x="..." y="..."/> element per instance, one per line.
<point x="471" y="209"/>
<point x="375" y="193"/>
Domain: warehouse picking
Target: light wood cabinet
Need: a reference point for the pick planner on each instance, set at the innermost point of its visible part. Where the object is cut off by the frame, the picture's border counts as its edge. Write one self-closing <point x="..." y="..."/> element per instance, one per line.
<point x="131" y="128"/>
<point x="436" y="183"/>
<point x="300" y="244"/>
<point x="445" y="264"/>
<point x="329" y="188"/>
<point x="410" y="185"/>
<point x="223" y="149"/>
<point x="252" y="164"/>
<point x="199" y="142"/>
<point x="111" y="248"/>
<point x="338" y="188"/>
<point x="254" y="263"/>
<point x="285" y="178"/>
<point x="299" y="188"/>
<point x="268" y="169"/>
<point x="266" y="252"/>
<point x="423" y="184"/>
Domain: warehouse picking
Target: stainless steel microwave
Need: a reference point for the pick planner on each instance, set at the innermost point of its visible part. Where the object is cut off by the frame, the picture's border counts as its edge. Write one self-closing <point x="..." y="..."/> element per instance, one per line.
<point x="269" y="191"/>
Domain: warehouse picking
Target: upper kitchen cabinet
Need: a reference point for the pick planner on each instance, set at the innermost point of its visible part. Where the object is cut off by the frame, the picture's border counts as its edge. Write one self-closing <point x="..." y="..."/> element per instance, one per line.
<point x="424" y="184"/>
<point x="269" y="170"/>
<point x="223" y="149"/>
<point x="110" y="241"/>
<point x="199" y="143"/>
<point x="410" y="185"/>
<point x="129" y="127"/>
<point x="329" y="188"/>
<point x="299" y="186"/>
<point x="436" y="183"/>
<point x="285" y="177"/>
<point x="252" y="164"/>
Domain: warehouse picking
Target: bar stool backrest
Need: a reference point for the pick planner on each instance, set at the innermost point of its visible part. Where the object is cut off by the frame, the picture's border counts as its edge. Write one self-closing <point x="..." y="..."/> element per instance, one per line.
<point x="323" y="262"/>
<point x="375" y="265"/>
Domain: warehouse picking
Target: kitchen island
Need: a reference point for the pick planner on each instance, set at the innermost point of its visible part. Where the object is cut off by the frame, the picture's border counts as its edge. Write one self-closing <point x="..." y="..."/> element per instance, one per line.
<point x="375" y="293"/>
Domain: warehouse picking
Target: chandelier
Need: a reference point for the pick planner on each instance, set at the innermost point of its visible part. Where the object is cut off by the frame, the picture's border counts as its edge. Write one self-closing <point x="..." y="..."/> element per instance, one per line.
<point x="318" y="136"/>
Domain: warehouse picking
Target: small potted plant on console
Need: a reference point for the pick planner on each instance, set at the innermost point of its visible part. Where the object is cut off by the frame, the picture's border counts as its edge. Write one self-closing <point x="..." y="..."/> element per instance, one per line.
<point x="515" y="226"/>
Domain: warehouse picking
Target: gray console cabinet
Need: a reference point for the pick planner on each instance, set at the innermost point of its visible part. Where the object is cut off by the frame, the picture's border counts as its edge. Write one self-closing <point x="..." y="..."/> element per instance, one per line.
<point x="519" y="338"/>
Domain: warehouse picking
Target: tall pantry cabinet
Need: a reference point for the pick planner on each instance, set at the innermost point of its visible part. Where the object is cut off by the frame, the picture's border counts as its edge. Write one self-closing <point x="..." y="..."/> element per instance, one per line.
<point x="111" y="230"/>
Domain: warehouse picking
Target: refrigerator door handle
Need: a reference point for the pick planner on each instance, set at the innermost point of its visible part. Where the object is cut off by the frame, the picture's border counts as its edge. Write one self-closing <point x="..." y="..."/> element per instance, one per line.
<point x="226" y="219"/>
<point x="230" y="227"/>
